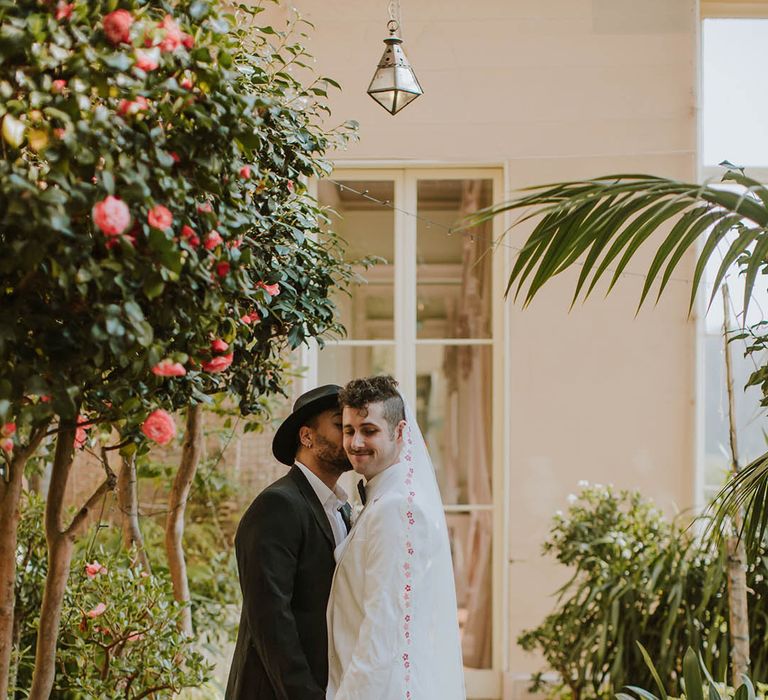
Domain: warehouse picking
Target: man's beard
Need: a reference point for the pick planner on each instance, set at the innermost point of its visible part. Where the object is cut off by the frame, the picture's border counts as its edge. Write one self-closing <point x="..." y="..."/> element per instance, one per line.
<point x="331" y="455"/>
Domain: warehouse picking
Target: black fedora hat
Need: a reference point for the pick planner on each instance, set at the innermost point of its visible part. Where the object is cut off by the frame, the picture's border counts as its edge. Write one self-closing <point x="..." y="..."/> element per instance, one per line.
<point x="307" y="405"/>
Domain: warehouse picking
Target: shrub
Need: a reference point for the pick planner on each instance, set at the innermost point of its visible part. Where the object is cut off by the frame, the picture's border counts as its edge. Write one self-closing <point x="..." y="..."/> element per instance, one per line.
<point x="636" y="576"/>
<point x="119" y="635"/>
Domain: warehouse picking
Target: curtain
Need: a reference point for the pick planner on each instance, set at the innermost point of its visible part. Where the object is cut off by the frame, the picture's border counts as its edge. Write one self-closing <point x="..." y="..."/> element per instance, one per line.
<point x="468" y="454"/>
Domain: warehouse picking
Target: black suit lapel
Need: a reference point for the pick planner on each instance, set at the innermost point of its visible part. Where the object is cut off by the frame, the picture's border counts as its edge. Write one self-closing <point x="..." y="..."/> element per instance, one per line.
<point x="314" y="503"/>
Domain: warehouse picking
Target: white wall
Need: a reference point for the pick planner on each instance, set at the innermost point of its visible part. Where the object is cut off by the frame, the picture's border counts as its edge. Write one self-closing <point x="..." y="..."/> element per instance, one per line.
<point x="552" y="89"/>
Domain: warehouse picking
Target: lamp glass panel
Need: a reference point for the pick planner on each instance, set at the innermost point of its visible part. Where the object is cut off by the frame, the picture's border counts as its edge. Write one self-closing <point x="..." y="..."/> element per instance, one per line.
<point x="406" y="80"/>
<point x="383" y="79"/>
<point x="386" y="99"/>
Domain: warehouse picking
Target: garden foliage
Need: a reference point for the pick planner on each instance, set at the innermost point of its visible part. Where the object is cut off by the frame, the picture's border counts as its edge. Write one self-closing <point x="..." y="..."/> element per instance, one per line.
<point x="635" y="576"/>
<point x="118" y="634"/>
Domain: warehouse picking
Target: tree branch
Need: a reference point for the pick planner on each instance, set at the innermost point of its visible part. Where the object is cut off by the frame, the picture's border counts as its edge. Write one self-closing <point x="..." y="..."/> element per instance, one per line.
<point x="78" y="522"/>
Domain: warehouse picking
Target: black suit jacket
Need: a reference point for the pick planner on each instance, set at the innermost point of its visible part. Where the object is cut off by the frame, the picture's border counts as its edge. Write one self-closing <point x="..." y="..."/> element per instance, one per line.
<point x="284" y="546"/>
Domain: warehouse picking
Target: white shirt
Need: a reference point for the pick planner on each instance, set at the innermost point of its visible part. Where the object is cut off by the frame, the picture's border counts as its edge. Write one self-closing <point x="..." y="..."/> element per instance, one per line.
<point x="331" y="502"/>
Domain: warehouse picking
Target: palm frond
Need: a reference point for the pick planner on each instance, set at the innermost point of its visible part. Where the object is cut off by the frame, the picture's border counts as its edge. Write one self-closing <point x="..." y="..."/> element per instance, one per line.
<point x="745" y="492"/>
<point x="600" y="225"/>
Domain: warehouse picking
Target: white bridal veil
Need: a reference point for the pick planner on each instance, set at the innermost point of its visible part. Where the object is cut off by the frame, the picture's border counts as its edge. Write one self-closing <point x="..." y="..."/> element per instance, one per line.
<point x="436" y="644"/>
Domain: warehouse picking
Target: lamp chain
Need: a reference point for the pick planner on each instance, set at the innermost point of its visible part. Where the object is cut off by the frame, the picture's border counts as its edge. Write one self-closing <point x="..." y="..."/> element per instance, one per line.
<point x="394" y="11"/>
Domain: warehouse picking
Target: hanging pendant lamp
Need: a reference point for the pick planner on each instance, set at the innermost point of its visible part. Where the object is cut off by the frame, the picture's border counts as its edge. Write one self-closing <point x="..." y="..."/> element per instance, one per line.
<point x="394" y="83"/>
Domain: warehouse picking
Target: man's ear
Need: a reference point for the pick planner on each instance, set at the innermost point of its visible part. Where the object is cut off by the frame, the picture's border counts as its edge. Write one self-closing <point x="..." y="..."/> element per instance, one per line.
<point x="399" y="430"/>
<point x="305" y="436"/>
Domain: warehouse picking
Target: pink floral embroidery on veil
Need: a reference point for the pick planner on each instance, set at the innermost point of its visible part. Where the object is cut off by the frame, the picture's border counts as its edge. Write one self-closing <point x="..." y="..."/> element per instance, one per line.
<point x="409" y="550"/>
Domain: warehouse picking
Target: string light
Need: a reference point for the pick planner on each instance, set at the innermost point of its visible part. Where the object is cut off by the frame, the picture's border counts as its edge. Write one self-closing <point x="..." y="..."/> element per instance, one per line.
<point x="450" y="230"/>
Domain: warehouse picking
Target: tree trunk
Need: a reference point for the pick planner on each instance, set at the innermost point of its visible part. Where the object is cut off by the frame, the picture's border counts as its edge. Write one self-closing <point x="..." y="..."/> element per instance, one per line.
<point x="35" y="484"/>
<point x="128" y="502"/>
<point x="177" y="504"/>
<point x="10" y="497"/>
<point x="737" y="558"/>
<point x="61" y="543"/>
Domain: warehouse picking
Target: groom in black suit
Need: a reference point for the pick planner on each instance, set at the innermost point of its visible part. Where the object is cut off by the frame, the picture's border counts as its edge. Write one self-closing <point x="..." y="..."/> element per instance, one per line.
<point x="284" y="547"/>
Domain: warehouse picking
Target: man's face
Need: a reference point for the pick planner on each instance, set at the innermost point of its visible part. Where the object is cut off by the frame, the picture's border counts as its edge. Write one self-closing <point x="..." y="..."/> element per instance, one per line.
<point x="327" y="442"/>
<point x="369" y="441"/>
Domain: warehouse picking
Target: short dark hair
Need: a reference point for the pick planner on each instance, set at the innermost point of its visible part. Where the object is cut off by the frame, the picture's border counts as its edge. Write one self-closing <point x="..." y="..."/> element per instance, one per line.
<point x="379" y="389"/>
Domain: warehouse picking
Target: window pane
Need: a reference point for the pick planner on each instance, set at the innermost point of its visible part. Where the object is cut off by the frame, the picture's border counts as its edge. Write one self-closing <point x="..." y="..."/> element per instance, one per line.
<point x="454" y="268"/>
<point x="470" y="535"/>
<point x="453" y="407"/>
<point x="338" y="364"/>
<point x="368" y="229"/>
<point x="749" y="415"/>
<point x="734" y="55"/>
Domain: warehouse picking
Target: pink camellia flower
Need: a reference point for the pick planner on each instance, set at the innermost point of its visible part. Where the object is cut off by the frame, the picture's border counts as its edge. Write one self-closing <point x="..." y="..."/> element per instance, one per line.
<point x="213" y="239"/>
<point x="219" y="363"/>
<point x="59" y="133"/>
<point x="10" y="428"/>
<point x="135" y="637"/>
<point x="173" y="35"/>
<point x="160" y="217"/>
<point x="176" y="157"/>
<point x="6" y="445"/>
<point x="169" y="368"/>
<point x="98" y="610"/>
<point x="245" y="172"/>
<point x="45" y="398"/>
<point x="57" y="86"/>
<point x="223" y="268"/>
<point x="147" y="60"/>
<point x="159" y="427"/>
<point x="80" y="432"/>
<point x="189" y="233"/>
<point x="205" y="208"/>
<point x="250" y="318"/>
<point x="187" y="40"/>
<point x="219" y="345"/>
<point x="272" y="289"/>
<point x="111" y="215"/>
<point x="140" y="104"/>
<point x="117" y="27"/>
<point x="186" y="84"/>
<point x="94" y="569"/>
<point x="64" y="10"/>
<point x="289" y="185"/>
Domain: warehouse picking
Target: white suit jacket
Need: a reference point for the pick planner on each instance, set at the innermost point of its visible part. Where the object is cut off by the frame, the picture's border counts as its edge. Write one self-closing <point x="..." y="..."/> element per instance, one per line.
<point x="392" y="625"/>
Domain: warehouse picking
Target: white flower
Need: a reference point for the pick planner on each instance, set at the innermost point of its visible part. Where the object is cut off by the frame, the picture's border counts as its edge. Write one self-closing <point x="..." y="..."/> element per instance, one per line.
<point x="572" y="498"/>
<point x="583" y="484"/>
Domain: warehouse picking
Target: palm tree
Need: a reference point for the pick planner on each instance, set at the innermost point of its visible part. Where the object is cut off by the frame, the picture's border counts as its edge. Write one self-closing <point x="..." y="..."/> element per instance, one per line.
<point x="601" y="223"/>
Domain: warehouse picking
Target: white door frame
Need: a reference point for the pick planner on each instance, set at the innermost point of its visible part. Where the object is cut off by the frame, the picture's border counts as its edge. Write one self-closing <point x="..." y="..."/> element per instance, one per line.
<point x="480" y="683"/>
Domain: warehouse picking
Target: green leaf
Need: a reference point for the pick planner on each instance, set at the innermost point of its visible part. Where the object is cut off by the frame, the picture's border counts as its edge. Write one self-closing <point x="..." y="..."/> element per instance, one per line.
<point x="119" y="61"/>
<point x="153" y="286"/>
<point x="654" y="672"/>
<point x="694" y="685"/>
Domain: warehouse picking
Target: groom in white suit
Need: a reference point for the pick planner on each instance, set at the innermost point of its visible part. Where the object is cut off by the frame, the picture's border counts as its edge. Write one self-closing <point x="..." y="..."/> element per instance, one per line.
<point x="392" y="626"/>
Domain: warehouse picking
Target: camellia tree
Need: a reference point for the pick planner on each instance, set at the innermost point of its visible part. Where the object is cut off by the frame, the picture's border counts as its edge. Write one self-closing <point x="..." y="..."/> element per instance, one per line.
<point x="157" y="241"/>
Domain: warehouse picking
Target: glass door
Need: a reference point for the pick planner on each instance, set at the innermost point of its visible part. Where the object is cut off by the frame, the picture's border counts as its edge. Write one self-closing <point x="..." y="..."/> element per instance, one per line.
<point x="430" y="315"/>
